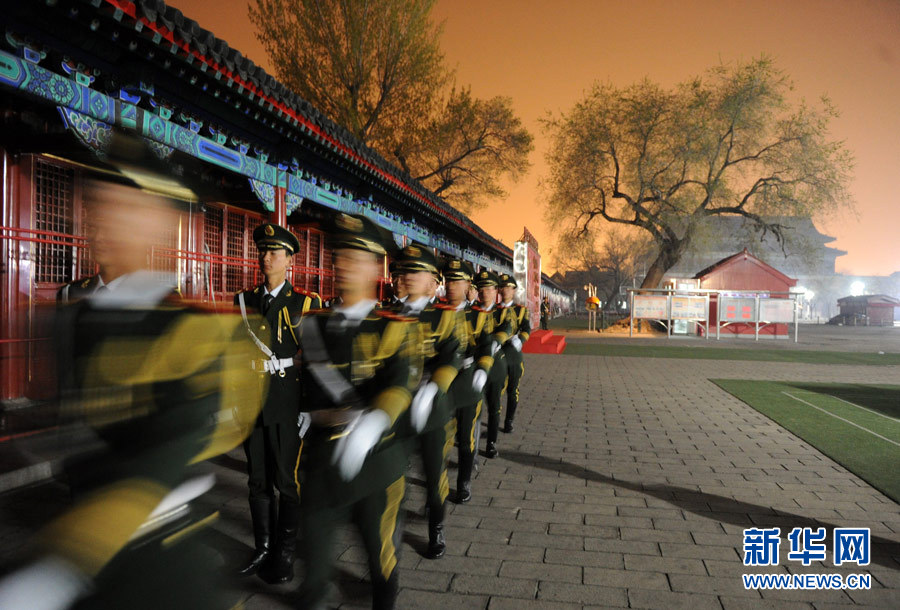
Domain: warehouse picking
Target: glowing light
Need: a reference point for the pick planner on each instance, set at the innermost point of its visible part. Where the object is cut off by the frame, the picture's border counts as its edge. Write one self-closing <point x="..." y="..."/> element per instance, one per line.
<point x="857" y="288"/>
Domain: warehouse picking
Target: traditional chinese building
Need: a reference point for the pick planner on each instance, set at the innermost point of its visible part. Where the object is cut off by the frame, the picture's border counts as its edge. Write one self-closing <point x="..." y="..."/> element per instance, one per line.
<point x="246" y="149"/>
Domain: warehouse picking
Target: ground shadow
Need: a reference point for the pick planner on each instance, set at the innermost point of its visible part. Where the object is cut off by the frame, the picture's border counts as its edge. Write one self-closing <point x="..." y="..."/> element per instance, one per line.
<point x="884" y="552"/>
<point x="226" y="461"/>
<point x="884" y="400"/>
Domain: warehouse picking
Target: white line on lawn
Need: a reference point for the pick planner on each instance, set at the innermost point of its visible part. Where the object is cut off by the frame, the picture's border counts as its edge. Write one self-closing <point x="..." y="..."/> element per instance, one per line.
<point x="864" y="408"/>
<point x="842" y="419"/>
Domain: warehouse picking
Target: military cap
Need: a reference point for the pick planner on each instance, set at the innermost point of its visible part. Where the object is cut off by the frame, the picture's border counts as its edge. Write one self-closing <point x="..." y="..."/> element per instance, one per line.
<point x="392" y="268"/>
<point x="507" y="280"/>
<point x="417" y="257"/>
<point x="457" y="269"/>
<point x="357" y="232"/>
<point x="274" y="237"/>
<point x="486" y="278"/>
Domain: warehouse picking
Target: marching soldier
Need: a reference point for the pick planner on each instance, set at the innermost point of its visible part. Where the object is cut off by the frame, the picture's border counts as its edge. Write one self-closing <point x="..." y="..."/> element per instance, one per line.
<point x="398" y="292"/>
<point x="109" y="250"/>
<point x="498" y="328"/>
<point x="152" y="377"/>
<point x="466" y="391"/>
<point x="430" y="411"/>
<point x="472" y="295"/>
<point x="520" y="329"/>
<point x="272" y="313"/>
<point x="358" y="370"/>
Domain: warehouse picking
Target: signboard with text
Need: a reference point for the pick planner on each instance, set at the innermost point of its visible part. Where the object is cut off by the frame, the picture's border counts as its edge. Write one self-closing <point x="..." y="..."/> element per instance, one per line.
<point x="776" y="310"/>
<point x="737" y="309"/>
<point x="688" y="308"/>
<point x="650" y="307"/>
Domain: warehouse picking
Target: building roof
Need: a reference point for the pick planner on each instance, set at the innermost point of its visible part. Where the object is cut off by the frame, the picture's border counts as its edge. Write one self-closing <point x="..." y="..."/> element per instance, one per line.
<point x="742" y="257"/>
<point x="870" y="300"/>
<point x="216" y="82"/>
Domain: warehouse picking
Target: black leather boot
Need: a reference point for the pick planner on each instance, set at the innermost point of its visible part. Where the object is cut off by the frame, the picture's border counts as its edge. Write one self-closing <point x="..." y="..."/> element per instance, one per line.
<point x="261" y="516"/>
<point x="436" y="545"/>
<point x="384" y="594"/>
<point x="281" y="566"/>
<point x="510" y="416"/>
<point x="491" y="451"/>
<point x="464" y="478"/>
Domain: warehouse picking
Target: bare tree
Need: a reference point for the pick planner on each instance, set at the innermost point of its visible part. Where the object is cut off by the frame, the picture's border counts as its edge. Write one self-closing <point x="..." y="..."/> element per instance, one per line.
<point x="729" y="142"/>
<point x="375" y="67"/>
<point x="608" y="260"/>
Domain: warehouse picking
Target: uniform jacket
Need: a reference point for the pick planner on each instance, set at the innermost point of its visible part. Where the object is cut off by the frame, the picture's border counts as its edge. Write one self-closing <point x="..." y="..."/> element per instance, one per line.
<point x="279" y="329"/>
<point x="154" y="415"/>
<point x="378" y="358"/>
<point x="476" y="342"/>
<point x="520" y="321"/>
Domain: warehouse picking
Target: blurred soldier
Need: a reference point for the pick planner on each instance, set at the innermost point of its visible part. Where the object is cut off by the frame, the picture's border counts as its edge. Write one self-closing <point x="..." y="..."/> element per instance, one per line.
<point x="519" y="330"/>
<point x="472" y="295"/>
<point x="466" y="391"/>
<point x="545" y="314"/>
<point x="357" y="379"/>
<point x="434" y="288"/>
<point x="499" y="330"/>
<point x="430" y="411"/>
<point x="272" y="313"/>
<point x="154" y="378"/>
<point x="398" y="292"/>
<point x="107" y="250"/>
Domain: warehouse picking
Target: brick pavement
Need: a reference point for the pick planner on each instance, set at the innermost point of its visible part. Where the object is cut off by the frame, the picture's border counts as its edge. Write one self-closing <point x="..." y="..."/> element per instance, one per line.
<point x="627" y="483"/>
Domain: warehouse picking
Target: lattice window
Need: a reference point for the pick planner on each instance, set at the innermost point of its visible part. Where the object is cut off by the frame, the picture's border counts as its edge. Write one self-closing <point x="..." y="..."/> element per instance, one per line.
<point x="53" y="211"/>
<point x="86" y="264"/>
<point x="326" y="279"/>
<point x="235" y="245"/>
<point x="212" y="238"/>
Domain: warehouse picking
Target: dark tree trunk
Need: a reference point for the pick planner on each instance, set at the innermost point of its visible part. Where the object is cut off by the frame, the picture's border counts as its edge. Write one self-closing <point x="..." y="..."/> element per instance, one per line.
<point x="669" y="254"/>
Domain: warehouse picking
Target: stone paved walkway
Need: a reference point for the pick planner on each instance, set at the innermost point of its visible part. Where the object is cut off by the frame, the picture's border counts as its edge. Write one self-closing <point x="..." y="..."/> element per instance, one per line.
<point x="627" y="483"/>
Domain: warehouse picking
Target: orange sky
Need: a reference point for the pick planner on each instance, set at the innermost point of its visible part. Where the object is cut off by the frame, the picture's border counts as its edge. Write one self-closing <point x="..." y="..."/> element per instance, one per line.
<point x="545" y="54"/>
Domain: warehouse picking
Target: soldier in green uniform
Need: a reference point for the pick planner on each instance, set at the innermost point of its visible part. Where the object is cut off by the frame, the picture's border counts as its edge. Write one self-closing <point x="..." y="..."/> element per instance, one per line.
<point x="430" y="411"/>
<point x="272" y="313"/>
<point x="498" y="328"/>
<point x="520" y="329"/>
<point x="467" y="390"/>
<point x="152" y="377"/>
<point x="358" y="372"/>
<point x="398" y="292"/>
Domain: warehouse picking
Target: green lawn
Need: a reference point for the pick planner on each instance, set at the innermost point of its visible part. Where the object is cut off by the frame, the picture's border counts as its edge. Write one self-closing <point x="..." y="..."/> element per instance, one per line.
<point x="723" y="353"/>
<point x="858" y="426"/>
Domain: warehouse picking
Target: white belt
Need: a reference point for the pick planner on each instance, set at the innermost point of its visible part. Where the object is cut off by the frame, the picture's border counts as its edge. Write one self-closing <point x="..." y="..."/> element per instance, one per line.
<point x="467" y="362"/>
<point x="272" y="365"/>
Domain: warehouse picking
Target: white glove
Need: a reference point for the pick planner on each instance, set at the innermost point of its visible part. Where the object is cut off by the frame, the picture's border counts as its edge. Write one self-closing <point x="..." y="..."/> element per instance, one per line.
<point x="353" y="447"/>
<point x="478" y="380"/>
<point x="303" y="421"/>
<point x="495" y="347"/>
<point x="516" y="343"/>
<point x="421" y="405"/>
<point x="48" y="584"/>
